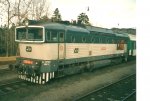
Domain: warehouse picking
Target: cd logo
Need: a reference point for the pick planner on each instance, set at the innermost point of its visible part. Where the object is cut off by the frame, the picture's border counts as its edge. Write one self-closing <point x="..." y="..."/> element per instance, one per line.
<point x="28" y="49"/>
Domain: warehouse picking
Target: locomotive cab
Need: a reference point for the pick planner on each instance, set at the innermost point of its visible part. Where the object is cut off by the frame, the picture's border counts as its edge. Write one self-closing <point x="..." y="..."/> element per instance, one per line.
<point x="38" y="48"/>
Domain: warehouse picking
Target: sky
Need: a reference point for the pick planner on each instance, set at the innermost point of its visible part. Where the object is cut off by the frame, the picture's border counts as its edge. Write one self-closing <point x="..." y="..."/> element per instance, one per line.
<point x="102" y="13"/>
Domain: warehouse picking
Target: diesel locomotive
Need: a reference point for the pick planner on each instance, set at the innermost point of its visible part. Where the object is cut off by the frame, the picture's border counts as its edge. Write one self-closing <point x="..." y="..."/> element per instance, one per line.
<point x="54" y="50"/>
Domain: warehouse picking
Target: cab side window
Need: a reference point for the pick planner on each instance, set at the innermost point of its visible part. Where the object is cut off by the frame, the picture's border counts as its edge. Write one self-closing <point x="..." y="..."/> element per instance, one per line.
<point x="51" y="36"/>
<point x="54" y="37"/>
<point x="73" y="39"/>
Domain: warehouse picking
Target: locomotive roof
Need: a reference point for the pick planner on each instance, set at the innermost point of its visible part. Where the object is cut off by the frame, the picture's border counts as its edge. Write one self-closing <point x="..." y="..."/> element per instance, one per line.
<point x="65" y="27"/>
<point x="99" y="29"/>
<point x="87" y="29"/>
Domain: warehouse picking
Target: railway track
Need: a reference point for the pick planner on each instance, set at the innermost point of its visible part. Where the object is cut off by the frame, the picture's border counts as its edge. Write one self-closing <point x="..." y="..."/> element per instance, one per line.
<point x="3" y="71"/>
<point x="10" y="87"/>
<point x="121" y="90"/>
<point x="129" y="96"/>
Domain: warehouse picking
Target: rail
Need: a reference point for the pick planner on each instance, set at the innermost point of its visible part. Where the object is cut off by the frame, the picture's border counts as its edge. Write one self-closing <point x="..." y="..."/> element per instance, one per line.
<point x="104" y="87"/>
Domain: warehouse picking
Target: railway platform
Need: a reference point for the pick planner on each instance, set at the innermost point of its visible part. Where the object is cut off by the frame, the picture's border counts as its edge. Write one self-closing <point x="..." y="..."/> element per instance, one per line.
<point x="7" y="60"/>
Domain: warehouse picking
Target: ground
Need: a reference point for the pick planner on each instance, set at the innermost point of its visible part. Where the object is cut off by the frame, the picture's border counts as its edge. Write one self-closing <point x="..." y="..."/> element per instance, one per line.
<point x="69" y="88"/>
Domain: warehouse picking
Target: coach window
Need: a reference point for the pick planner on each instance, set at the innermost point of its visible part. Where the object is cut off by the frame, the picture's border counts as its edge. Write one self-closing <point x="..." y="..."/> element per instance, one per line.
<point x="110" y="40"/>
<point x="54" y="36"/>
<point x="107" y="40"/>
<point x="100" y="40"/>
<point x="104" y="40"/>
<point x="92" y="40"/>
<point x="113" y="41"/>
<point x="72" y="38"/>
<point x="83" y="39"/>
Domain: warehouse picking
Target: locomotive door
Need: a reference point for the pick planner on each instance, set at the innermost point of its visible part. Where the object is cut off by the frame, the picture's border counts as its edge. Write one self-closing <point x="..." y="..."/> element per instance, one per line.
<point x="61" y="46"/>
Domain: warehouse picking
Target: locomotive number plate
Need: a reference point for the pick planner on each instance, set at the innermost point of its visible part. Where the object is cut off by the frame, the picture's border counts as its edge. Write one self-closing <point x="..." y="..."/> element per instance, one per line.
<point x="28" y="49"/>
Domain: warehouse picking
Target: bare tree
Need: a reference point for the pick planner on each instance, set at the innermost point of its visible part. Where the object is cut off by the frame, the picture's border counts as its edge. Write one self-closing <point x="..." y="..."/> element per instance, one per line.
<point x="39" y="9"/>
<point x="7" y="4"/>
<point x="8" y="10"/>
<point x="15" y="11"/>
<point x="22" y="10"/>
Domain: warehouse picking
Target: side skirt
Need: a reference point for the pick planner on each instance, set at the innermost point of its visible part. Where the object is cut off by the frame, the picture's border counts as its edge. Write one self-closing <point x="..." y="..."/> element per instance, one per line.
<point x="70" y="69"/>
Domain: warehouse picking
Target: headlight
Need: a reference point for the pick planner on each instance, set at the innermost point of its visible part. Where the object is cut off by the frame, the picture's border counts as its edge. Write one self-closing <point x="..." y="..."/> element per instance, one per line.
<point x="46" y="63"/>
<point x="36" y="63"/>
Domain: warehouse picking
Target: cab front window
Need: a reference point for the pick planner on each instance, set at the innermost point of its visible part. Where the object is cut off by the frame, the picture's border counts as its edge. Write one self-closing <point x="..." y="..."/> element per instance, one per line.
<point x="29" y="34"/>
<point x="35" y="34"/>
